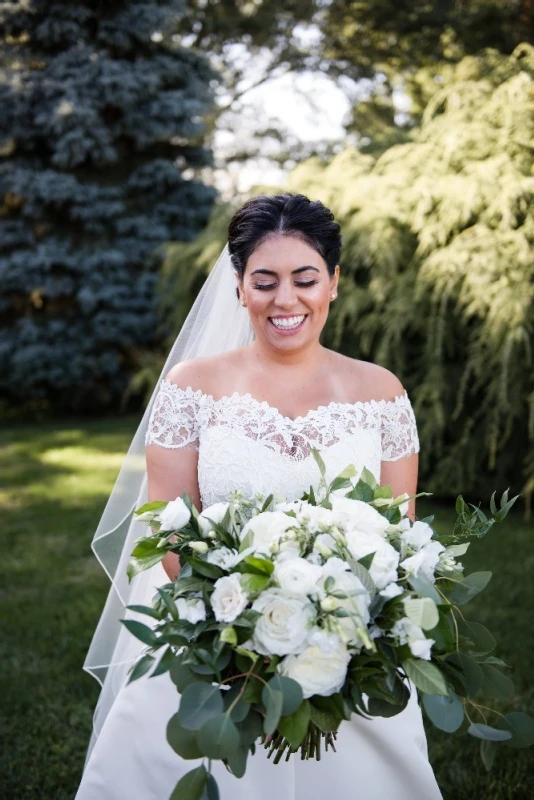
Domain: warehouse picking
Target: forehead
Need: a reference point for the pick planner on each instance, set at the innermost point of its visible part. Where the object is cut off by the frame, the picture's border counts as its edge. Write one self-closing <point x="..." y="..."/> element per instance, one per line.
<point x="283" y="254"/>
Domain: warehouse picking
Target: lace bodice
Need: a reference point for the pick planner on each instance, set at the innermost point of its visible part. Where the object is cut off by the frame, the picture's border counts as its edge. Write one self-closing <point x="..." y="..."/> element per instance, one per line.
<point x="246" y="444"/>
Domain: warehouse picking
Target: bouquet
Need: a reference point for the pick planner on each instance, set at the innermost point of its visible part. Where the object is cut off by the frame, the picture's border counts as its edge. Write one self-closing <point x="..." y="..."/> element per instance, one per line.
<point x="289" y="616"/>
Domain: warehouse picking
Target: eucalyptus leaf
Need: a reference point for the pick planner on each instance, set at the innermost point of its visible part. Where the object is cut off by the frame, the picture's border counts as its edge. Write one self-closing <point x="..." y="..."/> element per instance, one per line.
<point x="469" y="587"/>
<point x="237" y="761"/>
<point x="469" y="672"/>
<point x="424" y="588"/>
<point x="218" y="737"/>
<point x="426" y="676"/>
<point x="521" y="726"/>
<point x="295" y="726"/>
<point x="182" y="740"/>
<point x="422" y="612"/>
<point x="200" y="702"/>
<point x="291" y="691"/>
<point x="488" y="751"/>
<point x="481" y="731"/>
<point x="446" y="712"/>
<point x="273" y="701"/>
<point x="191" y="786"/>
<point x="211" y="791"/>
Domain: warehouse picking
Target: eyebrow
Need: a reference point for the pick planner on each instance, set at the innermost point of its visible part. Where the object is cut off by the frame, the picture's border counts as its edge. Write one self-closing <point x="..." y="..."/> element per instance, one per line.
<point x="270" y="271"/>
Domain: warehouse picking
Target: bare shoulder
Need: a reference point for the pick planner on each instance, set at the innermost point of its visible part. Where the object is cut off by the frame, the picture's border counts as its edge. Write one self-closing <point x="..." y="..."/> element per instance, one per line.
<point x="200" y="373"/>
<point x="369" y="381"/>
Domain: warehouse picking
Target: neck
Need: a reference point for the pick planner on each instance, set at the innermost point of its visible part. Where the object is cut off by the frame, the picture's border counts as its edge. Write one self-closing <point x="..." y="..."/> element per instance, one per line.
<point x="303" y="360"/>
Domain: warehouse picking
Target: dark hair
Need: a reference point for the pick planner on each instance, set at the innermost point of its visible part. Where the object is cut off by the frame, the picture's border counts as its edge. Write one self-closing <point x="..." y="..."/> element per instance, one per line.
<point x="287" y="215"/>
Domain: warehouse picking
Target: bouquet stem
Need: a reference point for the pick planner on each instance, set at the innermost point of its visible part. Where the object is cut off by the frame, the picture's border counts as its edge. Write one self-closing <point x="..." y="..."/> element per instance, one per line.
<point x="309" y="748"/>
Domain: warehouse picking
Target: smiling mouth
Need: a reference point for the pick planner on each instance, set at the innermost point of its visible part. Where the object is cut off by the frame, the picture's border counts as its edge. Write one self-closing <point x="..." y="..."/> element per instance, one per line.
<point x="288" y="323"/>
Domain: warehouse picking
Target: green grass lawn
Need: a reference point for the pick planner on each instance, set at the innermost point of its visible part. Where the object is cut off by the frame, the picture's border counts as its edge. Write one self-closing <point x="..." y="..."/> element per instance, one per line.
<point x="55" y="481"/>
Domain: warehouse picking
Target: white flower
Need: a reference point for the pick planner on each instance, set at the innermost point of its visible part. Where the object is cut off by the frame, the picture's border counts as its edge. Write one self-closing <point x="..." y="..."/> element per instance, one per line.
<point x="297" y="576"/>
<point x="225" y="558"/>
<point x="316" y="671"/>
<point x="199" y="547"/>
<point x="315" y="518"/>
<point x="356" y="603"/>
<point x="324" y="544"/>
<point x="228" y="599"/>
<point x="214" y="512"/>
<point x="425" y="560"/>
<point x="411" y="634"/>
<point x="357" y="515"/>
<point x="403" y="508"/>
<point x="267" y="529"/>
<point x="193" y="609"/>
<point x="174" y="516"/>
<point x="418" y="535"/>
<point x="383" y="569"/>
<point x="284" y="623"/>
<point x="391" y="590"/>
<point x="289" y="505"/>
<point x="326" y="641"/>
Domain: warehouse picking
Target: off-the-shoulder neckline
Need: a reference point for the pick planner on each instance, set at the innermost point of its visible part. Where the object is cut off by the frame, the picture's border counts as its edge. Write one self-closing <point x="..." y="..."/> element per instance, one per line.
<point x="198" y="393"/>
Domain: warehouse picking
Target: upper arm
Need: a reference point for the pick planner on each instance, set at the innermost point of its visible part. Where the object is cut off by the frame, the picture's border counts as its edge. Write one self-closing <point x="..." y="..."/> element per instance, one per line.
<point x="400" y="441"/>
<point x="171" y="447"/>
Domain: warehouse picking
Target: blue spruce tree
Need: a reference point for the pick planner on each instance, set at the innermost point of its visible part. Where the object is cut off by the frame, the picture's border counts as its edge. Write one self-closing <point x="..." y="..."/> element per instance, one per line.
<point x="103" y="124"/>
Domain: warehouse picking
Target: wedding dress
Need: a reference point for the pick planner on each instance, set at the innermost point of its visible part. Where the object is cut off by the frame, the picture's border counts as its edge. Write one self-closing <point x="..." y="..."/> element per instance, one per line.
<point x="246" y="444"/>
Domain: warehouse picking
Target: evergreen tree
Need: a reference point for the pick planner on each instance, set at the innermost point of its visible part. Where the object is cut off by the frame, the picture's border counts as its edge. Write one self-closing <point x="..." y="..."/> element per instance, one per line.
<point x="103" y="126"/>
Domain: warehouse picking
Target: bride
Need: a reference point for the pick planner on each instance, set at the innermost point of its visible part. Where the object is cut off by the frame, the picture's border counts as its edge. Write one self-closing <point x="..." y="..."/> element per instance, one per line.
<point x="249" y="391"/>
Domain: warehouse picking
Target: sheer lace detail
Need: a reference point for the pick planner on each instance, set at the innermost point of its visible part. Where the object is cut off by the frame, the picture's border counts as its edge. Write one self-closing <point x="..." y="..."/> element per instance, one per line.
<point x="179" y="416"/>
<point x="174" y="418"/>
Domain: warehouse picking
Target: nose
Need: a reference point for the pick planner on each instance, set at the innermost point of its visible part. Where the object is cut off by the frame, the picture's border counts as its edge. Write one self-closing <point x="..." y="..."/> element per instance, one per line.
<point x="286" y="295"/>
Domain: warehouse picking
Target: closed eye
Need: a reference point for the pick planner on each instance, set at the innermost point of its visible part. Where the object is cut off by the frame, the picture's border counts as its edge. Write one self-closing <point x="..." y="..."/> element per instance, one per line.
<point x="272" y="285"/>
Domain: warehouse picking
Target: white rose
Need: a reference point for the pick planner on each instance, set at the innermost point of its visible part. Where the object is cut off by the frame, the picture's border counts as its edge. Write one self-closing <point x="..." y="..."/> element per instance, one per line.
<point x="410" y="633"/>
<point x="193" y="609"/>
<point x="267" y="529"/>
<point x="383" y="569"/>
<point x="297" y="576"/>
<point x="357" y="515"/>
<point x="225" y="558"/>
<point x="418" y="535"/>
<point x="214" y="512"/>
<point x="334" y="566"/>
<point x="327" y="642"/>
<point x="391" y="590"/>
<point x="425" y="560"/>
<point x="228" y="599"/>
<point x="174" y="516"/>
<point x="284" y="623"/>
<point x="317" y="672"/>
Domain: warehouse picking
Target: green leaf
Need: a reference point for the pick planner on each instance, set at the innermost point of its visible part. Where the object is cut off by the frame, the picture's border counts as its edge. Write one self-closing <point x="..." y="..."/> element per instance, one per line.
<point x="488" y="751"/>
<point x="182" y="740"/>
<point x="422" y="612"/>
<point x="326" y="718"/>
<point x="521" y="727"/>
<point x="295" y="726"/>
<point x="362" y="491"/>
<point x="141" y="667"/>
<point x="191" y="786"/>
<point x="205" y="568"/>
<point x="218" y="737"/>
<point x="367" y="560"/>
<point x="443" y="633"/>
<point x="146" y="547"/>
<point x="252" y="584"/>
<point x="339" y="483"/>
<point x="147" y="610"/>
<point x="368" y="477"/>
<point x="495" y="683"/>
<point x="168" y="602"/>
<point x="470" y="587"/>
<point x="258" y="566"/>
<point x="426" y="676"/>
<point x="237" y="761"/>
<point x="319" y="460"/>
<point x="241" y="707"/>
<point x="460" y="505"/>
<point x="165" y="663"/>
<point x="273" y="701"/>
<point x="480" y="731"/>
<point x="446" y="712"/>
<point x="140" y="631"/>
<point x="137" y="565"/>
<point x="228" y="635"/>
<point x="481" y="638"/>
<point x="468" y="671"/>
<point x="200" y="702"/>
<point x="154" y="505"/>
<point x="291" y="692"/>
<point x="211" y="792"/>
<point x="424" y="588"/>
<point x="250" y="729"/>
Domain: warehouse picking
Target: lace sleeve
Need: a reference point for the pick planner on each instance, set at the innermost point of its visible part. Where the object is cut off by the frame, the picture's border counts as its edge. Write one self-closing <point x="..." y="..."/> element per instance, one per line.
<point x="398" y="429"/>
<point x="174" y="419"/>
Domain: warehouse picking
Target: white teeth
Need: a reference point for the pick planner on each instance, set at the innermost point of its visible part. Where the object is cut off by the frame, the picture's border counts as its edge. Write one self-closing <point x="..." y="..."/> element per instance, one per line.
<point x="288" y="322"/>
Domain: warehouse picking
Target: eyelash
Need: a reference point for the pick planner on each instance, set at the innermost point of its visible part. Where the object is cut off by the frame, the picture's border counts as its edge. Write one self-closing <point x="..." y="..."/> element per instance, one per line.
<point x="272" y="285"/>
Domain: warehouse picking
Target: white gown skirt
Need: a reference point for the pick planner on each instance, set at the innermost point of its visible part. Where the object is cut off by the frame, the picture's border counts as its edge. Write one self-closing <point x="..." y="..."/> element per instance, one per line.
<point x="377" y="759"/>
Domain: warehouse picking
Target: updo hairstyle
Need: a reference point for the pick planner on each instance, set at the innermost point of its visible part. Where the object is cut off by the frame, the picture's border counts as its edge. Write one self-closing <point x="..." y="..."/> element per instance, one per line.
<point x="283" y="215"/>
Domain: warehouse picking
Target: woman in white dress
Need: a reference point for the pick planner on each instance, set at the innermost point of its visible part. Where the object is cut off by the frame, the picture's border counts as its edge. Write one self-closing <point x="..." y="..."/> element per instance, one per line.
<point x="246" y="419"/>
